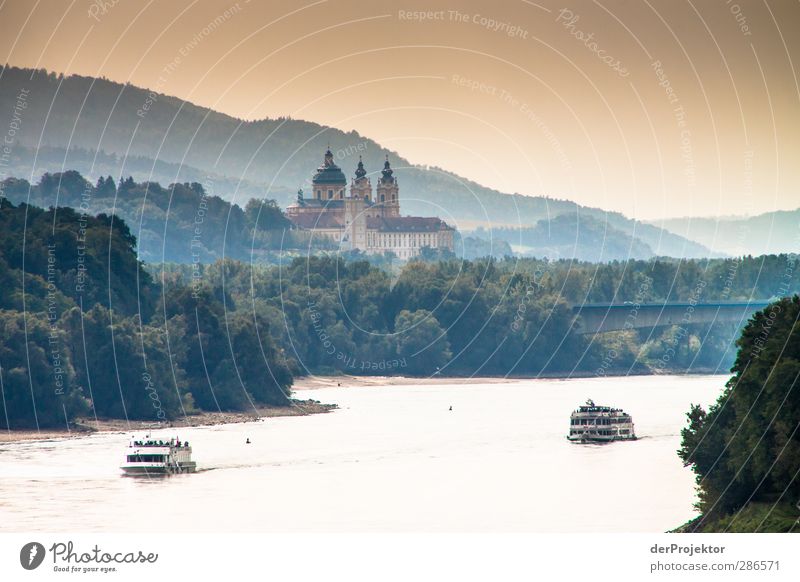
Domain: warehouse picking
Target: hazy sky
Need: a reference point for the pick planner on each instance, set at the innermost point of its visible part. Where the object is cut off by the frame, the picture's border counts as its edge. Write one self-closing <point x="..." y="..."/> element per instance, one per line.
<point x="655" y="108"/>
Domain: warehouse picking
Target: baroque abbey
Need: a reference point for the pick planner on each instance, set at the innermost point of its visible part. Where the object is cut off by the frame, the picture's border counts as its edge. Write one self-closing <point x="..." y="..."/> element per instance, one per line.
<point x="359" y="220"/>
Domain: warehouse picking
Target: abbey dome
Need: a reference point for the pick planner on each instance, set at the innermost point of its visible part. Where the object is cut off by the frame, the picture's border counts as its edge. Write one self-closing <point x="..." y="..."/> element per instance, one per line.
<point x="329" y="172"/>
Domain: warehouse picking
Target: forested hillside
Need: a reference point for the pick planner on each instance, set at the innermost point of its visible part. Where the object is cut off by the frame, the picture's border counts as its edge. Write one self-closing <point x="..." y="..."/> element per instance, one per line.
<point x="84" y="330"/>
<point x="99" y="127"/>
<point x="745" y="449"/>
<point x="179" y="223"/>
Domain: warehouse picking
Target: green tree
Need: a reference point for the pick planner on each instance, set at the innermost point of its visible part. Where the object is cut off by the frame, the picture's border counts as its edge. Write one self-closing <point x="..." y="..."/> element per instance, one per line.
<point x="421" y="341"/>
<point x="746" y="448"/>
<point x="38" y="378"/>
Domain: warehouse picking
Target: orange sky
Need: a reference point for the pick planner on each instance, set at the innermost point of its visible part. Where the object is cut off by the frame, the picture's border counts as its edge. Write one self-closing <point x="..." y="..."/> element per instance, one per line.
<point x="509" y="93"/>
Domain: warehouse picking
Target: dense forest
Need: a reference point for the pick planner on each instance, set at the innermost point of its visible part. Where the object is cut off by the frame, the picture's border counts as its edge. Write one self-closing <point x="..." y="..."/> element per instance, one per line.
<point x="98" y="127"/>
<point x="490" y="317"/>
<point x="85" y="330"/>
<point x="745" y="449"/>
<point x="88" y="328"/>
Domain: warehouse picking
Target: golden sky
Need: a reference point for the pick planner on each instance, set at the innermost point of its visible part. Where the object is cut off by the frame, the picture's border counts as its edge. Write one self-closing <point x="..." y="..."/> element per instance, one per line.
<point x="655" y="108"/>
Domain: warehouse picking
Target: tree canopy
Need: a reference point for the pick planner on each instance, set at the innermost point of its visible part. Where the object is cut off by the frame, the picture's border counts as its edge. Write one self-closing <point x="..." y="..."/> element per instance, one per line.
<point x="745" y="449"/>
<point x="85" y="330"/>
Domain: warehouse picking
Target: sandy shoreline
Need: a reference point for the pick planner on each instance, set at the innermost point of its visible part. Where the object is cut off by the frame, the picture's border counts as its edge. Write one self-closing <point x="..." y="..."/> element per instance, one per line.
<point x="345" y="381"/>
<point x="348" y="381"/>
<point x="86" y="426"/>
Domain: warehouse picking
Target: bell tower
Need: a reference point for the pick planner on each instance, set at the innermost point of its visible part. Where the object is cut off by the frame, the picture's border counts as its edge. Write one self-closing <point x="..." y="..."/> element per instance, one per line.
<point x="361" y="187"/>
<point x="388" y="192"/>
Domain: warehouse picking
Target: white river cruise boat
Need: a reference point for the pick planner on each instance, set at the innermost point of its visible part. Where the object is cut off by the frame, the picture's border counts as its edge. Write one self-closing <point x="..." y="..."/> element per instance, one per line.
<point x="600" y="424"/>
<point x="150" y="456"/>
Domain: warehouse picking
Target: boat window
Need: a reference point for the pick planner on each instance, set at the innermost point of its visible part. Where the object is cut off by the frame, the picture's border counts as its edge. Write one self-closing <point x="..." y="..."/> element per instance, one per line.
<point x="145" y="458"/>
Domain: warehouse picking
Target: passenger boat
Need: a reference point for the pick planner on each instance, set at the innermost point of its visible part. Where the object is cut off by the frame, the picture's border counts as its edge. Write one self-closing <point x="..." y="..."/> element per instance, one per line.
<point x="150" y="456"/>
<point x="600" y="424"/>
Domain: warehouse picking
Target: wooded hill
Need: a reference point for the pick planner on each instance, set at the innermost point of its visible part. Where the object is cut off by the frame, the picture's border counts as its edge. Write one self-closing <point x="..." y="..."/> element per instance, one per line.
<point x="98" y="127"/>
<point x="745" y="450"/>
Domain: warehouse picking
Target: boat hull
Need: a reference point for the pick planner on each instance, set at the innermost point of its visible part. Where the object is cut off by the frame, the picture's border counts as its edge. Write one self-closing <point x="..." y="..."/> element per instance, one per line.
<point x="159" y="469"/>
<point x="600" y="438"/>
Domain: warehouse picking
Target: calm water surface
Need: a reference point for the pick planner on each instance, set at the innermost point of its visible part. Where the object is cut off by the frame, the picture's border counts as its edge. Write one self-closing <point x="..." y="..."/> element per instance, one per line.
<point x="393" y="458"/>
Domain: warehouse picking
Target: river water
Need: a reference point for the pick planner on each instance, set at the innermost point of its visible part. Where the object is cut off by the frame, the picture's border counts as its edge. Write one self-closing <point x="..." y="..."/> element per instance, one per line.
<point x="392" y="458"/>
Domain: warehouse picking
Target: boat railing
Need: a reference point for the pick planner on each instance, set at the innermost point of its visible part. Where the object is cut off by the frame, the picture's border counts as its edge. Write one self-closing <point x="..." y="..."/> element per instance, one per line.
<point x="173" y="443"/>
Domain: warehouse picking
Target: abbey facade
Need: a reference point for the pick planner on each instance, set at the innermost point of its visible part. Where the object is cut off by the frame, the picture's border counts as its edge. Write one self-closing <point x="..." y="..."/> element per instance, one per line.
<point x="361" y="220"/>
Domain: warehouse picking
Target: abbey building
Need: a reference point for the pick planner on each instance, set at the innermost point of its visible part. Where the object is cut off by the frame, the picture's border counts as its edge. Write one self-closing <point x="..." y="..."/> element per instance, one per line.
<point x="363" y="220"/>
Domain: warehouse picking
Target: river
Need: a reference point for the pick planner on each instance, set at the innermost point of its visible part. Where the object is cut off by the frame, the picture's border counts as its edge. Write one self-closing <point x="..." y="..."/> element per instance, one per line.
<point x="392" y="458"/>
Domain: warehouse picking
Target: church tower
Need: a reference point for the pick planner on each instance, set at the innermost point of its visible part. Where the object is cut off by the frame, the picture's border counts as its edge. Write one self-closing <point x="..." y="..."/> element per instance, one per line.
<point x="388" y="192"/>
<point x="361" y="187"/>
<point x="355" y="217"/>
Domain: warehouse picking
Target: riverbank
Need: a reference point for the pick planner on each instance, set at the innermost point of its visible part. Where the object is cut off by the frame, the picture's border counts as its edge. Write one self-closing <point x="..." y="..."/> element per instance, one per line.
<point x="85" y="426"/>
<point x="755" y="517"/>
<point x="350" y="381"/>
<point x="346" y="381"/>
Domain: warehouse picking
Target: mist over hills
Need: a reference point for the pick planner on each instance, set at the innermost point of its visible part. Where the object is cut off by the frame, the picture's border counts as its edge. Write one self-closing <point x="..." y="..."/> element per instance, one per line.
<point x="99" y="127"/>
<point x="768" y="233"/>
<point x="571" y="236"/>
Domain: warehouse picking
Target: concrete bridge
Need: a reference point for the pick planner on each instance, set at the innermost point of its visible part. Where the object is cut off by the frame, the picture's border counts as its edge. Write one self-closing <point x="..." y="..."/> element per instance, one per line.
<point x="603" y="317"/>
